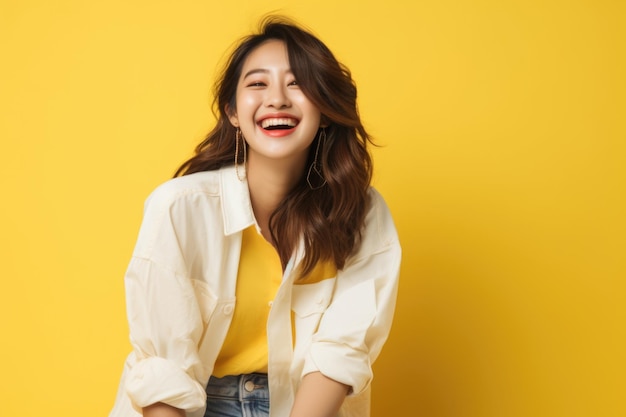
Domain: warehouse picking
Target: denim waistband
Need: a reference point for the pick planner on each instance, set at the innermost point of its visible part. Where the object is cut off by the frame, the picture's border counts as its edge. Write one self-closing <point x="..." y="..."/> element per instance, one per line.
<point x="240" y="387"/>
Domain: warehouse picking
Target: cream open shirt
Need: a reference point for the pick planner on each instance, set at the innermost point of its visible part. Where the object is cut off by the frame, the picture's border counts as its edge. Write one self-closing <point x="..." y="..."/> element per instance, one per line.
<point x="180" y="288"/>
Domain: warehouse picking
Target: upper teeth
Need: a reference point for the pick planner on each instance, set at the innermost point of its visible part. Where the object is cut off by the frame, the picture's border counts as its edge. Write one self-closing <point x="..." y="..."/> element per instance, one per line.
<point x="278" y="122"/>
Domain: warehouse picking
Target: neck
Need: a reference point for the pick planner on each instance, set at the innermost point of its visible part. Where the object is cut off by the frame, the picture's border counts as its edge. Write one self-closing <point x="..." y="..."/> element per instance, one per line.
<point x="269" y="182"/>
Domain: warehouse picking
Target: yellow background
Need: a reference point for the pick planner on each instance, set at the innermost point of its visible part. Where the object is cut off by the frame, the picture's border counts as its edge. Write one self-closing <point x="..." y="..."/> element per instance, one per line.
<point x="503" y="160"/>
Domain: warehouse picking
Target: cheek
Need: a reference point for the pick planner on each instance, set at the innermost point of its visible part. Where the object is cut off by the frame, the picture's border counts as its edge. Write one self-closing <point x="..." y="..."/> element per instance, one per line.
<point x="245" y="102"/>
<point x="311" y="111"/>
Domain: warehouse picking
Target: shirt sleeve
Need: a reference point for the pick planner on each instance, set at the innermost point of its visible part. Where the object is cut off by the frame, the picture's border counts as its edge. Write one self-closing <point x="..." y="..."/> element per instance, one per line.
<point x="164" y="316"/>
<point x="357" y="322"/>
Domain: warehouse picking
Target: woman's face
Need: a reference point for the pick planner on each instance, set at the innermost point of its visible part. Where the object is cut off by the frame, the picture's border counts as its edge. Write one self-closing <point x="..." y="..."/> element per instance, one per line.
<point x="277" y="120"/>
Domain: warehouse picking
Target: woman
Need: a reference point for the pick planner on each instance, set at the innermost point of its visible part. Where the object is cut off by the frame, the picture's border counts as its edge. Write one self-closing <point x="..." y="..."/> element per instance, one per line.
<point x="269" y="264"/>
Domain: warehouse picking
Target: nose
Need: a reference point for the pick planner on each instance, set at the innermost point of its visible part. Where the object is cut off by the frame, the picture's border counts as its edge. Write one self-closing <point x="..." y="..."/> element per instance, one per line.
<point x="277" y="97"/>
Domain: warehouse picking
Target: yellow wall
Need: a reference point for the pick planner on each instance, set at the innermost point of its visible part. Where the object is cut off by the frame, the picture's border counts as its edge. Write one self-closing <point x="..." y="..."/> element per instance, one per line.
<point x="504" y="164"/>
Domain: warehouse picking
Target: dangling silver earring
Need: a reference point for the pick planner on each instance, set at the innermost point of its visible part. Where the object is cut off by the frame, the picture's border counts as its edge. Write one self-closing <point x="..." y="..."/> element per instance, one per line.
<point x="239" y="136"/>
<point x="314" y="177"/>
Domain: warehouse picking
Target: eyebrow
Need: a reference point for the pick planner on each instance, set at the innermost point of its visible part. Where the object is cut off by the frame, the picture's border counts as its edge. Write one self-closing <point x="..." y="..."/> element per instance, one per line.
<point x="259" y="71"/>
<point x="255" y="71"/>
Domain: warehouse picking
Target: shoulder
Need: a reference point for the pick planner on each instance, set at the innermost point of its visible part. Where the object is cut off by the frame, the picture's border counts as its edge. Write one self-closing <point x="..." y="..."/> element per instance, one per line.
<point x="174" y="214"/>
<point x="379" y="231"/>
<point x="378" y="220"/>
<point x="175" y="190"/>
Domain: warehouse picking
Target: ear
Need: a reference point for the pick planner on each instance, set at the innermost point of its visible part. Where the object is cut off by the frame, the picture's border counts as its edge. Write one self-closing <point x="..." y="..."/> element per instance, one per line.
<point x="232" y="116"/>
<point x="324" y="122"/>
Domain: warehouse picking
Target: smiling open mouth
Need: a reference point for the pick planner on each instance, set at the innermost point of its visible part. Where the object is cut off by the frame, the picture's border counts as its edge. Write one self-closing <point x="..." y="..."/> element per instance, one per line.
<point x="282" y="123"/>
<point x="277" y="127"/>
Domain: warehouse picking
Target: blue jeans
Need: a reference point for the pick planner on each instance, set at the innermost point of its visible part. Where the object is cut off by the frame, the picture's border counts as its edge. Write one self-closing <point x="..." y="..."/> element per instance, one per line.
<point x="245" y="395"/>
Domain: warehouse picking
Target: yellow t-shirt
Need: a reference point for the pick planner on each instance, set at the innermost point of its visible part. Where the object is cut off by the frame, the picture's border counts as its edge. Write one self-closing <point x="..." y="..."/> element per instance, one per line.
<point x="259" y="276"/>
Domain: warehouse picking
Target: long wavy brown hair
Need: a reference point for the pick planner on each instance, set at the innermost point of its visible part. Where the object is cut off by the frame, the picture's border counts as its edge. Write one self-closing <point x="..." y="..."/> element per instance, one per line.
<point x="328" y="219"/>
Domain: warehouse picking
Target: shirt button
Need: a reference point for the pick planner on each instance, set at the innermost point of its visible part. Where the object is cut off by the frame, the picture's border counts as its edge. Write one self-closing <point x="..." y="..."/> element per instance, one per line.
<point x="228" y="310"/>
<point x="249" y="386"/>
<point x="270" y="303"/>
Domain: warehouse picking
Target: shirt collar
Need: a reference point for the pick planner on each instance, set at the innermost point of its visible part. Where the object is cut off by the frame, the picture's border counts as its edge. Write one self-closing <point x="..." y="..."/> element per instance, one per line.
<point x="236" y="207"/>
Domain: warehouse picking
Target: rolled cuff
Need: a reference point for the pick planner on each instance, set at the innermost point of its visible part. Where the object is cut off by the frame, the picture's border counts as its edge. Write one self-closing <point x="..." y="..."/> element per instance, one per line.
<point x="341" y="363"/>
<point x="155" y="379"/>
